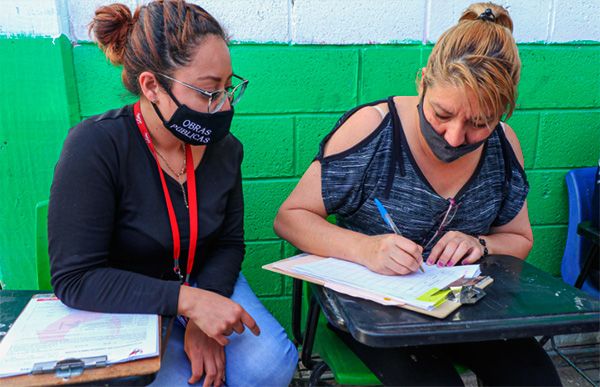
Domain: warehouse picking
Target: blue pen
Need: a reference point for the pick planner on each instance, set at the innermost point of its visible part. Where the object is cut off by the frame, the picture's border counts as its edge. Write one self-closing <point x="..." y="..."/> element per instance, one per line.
<point x="388" y="219"/>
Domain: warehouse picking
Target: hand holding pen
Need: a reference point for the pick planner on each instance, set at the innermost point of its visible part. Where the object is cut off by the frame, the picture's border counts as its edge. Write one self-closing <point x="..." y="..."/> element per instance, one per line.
<point x="390" y="222"/>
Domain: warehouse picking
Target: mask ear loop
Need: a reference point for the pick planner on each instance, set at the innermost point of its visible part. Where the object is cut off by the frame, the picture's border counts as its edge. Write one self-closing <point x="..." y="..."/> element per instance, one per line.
<point x="156" y="109"/>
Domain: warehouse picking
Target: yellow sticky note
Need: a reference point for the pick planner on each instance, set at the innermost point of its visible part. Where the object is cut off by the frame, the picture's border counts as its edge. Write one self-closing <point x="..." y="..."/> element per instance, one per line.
<point x="435" y="296"/>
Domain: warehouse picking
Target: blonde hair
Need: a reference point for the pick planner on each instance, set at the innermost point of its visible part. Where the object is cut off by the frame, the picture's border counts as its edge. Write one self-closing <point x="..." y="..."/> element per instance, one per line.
<point x="479" y="53"/>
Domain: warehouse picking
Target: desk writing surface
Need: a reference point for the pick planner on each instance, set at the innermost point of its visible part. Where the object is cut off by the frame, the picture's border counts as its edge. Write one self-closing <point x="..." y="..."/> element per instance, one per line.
<point x="523" y="301"/>
<point x="138" y="372"/>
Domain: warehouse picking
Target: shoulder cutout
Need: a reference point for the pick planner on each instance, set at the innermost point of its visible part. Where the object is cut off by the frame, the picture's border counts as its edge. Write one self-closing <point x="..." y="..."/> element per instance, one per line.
<point x="356" y="128"/>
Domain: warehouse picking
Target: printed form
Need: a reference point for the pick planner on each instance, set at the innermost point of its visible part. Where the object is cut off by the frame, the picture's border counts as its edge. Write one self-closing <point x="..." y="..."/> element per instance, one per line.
<point x="403" y="287"/>
<point x="47" y="330"/>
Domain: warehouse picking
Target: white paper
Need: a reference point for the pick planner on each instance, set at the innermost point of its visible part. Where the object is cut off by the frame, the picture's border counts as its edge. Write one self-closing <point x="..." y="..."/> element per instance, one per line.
<point x="402" y="287"/>
<point x="47" y="330"/>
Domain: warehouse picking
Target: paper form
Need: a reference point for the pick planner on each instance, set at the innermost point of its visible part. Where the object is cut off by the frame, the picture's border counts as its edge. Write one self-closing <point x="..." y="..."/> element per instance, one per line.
<point x="47" y="330"/>
<point x="403" y="287"/>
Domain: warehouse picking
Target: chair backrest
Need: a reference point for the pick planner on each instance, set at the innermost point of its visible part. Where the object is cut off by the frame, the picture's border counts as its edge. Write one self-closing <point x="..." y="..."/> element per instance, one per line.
<point x="580" y="187"/>
<point x="41" y="246"/>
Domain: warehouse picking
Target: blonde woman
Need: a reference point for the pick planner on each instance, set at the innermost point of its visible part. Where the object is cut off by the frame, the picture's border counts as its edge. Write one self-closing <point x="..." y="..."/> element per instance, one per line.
<point x="450" y="173"/>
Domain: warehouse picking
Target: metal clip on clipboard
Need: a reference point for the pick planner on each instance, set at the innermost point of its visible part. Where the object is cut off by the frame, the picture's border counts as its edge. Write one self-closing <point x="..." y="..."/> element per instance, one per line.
<point x="68" y="368"/>
<point x="469" y="294"/>
<point x="466" y="290"/>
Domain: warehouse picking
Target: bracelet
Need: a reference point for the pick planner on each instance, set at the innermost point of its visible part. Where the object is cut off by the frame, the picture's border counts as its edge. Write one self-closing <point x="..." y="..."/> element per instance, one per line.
<point x="483" y="243"/>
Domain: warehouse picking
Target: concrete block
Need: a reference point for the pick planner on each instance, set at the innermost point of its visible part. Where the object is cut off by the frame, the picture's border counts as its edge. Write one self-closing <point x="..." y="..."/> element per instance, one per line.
<point x="525" y="124"/>
<point x="569" y="139"/>
<point x="263" y="282"/>
<point x="425" y="52"/>
<point x="547" y="200"/>
<point x="357" y="21"/>
<point x="310" y="130"/>
<point x="262" y="200"/>
<point x="559" y="76"/>
<point x="576" y="21"/>
<point x="287" y="79"/>
<point x="548" y="247"/>
<point x="99" y="83"/>
<point x="531" y="19"/>
<point x="268" y="145"/>
<point x="289" y="250"/>
<point x="38" y="104"/>
<point x="32" y="18"/>
<point x="389" y="71"/>
<point x="251" y="20"/>
<point x="248" y="20"/>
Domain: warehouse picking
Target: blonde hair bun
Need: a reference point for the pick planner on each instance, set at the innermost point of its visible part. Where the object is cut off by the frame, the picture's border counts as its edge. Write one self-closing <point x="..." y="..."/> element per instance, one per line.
<point x="488" y="12"/>
<point x="479" y="53"/>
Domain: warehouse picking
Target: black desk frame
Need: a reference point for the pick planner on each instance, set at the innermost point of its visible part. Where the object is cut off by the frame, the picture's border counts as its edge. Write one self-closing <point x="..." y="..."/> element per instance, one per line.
<point x="512" y="278"/>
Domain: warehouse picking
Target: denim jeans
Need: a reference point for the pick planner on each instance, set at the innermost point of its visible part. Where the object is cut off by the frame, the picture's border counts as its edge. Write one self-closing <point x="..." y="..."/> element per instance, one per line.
<point x="266" y="360"/>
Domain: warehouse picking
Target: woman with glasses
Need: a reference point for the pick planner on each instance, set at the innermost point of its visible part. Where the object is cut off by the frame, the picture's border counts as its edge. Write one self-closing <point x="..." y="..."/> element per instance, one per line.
<point x="146" y="208"/>
<point x="450" y="174"/>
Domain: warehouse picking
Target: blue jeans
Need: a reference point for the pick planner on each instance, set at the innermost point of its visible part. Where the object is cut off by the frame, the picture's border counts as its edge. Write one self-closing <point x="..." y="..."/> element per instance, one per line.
<point x="266" y="360"/>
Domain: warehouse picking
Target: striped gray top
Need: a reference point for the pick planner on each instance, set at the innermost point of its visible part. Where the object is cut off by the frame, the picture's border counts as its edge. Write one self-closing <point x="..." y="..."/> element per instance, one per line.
<point x="382" y="166"/>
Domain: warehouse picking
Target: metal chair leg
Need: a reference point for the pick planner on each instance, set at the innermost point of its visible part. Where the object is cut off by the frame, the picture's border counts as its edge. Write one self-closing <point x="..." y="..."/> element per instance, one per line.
<point x="587" y="266"/>
<point x="569" y="362"/>
<point x="544" y="340"/>
<point x="310" y="333"/>
<point x="297" y="311"/>
<point x="318" y="371"/>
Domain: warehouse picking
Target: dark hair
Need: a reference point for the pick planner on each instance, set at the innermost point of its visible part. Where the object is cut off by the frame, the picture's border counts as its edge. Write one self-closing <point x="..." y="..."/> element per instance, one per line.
<point x="160" y="37"/>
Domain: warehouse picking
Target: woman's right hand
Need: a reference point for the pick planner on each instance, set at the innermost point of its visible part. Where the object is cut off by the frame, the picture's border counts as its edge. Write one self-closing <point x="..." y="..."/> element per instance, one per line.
<point x="215" y="315"/>
<point x="391" y="254"/>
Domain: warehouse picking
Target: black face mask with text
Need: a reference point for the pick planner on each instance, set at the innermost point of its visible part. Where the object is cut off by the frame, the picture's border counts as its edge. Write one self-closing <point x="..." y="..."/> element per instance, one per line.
<point x="194" y="127"/>
<point x="438" y="144"/>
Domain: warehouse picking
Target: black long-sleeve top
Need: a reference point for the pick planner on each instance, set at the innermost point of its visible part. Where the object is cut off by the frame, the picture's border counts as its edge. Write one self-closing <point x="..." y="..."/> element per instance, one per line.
<point x="110" y="242"/>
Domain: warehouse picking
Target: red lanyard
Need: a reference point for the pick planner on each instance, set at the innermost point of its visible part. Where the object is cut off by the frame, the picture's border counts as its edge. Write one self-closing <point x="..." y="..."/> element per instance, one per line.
<point x="192" y="199"/>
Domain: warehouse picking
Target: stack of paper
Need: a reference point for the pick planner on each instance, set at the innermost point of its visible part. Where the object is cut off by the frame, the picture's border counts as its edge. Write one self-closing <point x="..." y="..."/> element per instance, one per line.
<point x="48" y="331"/>
<point x="408" y="289"/>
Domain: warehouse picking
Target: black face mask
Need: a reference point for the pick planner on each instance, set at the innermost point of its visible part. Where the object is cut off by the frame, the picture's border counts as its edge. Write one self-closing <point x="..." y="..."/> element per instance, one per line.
<point x="438" y="144"/>
<point x="196" y="128"/>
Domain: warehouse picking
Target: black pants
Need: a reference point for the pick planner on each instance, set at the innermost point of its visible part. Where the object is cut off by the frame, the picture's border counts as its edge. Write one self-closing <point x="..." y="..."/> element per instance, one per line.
<point x="517" y="362"/>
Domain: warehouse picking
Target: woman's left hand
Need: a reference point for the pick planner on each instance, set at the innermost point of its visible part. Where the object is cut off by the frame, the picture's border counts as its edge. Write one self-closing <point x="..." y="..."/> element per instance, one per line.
<point x="453" y="247"/>
<point x="207" y="357"/>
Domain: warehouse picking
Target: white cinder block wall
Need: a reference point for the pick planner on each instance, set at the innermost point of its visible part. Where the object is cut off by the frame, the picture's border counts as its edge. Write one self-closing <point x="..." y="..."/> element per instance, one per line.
<point x="325" y="21"/>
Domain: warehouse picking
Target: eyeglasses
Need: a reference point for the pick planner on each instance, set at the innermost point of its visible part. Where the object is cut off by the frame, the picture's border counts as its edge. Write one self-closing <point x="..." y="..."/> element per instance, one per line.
<point x="446" y="218"/>
<point x="217" y="98"/>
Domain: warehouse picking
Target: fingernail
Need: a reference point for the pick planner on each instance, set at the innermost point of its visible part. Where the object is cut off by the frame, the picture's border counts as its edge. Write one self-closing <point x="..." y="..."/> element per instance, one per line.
<point x="440" y="264"/>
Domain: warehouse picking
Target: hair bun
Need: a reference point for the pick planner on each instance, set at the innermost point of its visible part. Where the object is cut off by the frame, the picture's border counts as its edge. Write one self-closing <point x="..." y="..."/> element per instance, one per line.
<point x="489" y="13"/>
<point x="111" y="26"/>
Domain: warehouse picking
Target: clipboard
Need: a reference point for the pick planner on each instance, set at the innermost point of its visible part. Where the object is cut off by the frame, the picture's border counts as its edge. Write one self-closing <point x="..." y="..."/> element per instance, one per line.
<point x="285" y="267"/>
<point x="54" y="377"/>
<point x="86" y="369"/>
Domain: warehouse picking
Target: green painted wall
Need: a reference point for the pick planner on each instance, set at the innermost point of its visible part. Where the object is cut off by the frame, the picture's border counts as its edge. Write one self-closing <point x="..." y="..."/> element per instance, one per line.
<point x="295" y="95"/>
<point x="38" y="103"/>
